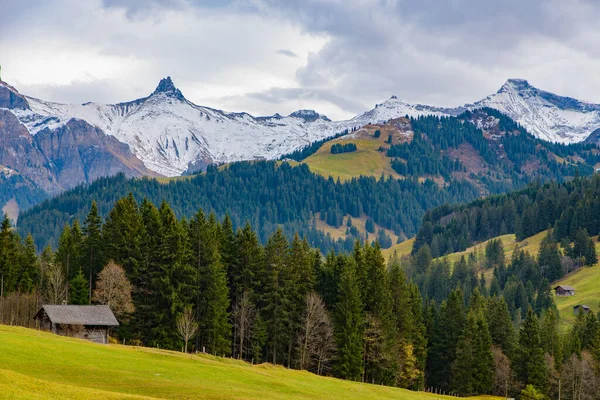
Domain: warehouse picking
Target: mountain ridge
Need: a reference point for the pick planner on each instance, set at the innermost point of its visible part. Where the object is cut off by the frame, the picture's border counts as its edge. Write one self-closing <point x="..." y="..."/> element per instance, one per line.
<point x="182" y="135"/>
<point x="168" y="135"/>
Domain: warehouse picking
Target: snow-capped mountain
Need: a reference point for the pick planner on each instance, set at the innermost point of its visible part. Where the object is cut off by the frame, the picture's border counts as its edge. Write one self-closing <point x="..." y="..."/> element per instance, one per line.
<point x="546" y="115"/>
<point x="171" y="135"/>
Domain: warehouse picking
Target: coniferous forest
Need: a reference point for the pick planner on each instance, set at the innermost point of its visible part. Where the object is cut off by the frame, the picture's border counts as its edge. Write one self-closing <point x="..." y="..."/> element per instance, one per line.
<point x="415" y="322"/>
<point x="266" y="194"/>
<point x="571" y="209"/>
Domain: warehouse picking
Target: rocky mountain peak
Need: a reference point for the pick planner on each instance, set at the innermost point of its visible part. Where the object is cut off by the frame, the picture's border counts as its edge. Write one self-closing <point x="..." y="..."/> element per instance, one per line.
<point x="515" y="85"/>
<point x="167" y="87"/>
<point x="308" y="115"/>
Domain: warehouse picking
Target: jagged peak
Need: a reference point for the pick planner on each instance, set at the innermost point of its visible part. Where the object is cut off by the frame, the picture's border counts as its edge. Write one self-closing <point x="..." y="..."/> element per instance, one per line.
<point x="515" y="84"/>
<point x="167" y="87"/>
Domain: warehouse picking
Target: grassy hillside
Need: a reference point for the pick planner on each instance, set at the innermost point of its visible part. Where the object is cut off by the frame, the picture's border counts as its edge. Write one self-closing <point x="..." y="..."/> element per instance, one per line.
<point x="39" y="365"/>
<point x="586" y="282"/>
<point x="367" y="160"/>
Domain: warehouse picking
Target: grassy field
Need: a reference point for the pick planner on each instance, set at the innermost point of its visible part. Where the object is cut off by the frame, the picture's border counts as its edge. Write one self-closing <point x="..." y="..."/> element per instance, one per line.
<point x="586" y="282"/>
<point x="39" y="365"/>
<point x="366" y="160"/>
<point x="401" y="249"/>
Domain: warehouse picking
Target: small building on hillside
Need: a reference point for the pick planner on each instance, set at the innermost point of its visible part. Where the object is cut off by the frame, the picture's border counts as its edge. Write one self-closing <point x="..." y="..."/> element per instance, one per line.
<point x="83" y="322"/>
<point x="564" y="290"/>
<point x="581" y="308"/>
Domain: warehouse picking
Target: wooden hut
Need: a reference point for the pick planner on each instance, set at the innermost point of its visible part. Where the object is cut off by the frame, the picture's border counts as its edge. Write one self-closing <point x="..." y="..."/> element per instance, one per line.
<point x="83" y="322"/>
<point x="581" y="308"/>
<point x="564" y="290"/>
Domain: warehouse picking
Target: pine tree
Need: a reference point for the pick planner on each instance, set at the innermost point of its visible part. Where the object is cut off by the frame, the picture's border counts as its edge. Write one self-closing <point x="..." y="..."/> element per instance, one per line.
<point x="122" y="235"/>
<point x="175" y="280"/>
<point x="500" y="325"/>
<point x="216" y="317"/>
<point x="64" y="252"/>
<point x="301" y="283"/>
<point x="79" y="289"/>
<point x="249" y="263"/>
<point x="145" y="279"/>
<point x="378" y="305"/>
<point x="448" y="329"/>
<point x="29" y="274"/>
<point x="276" y="299"/>
<point x="349" y="325"/>
<point x="549" y="258"/>
<point x="530" y="366"/>
<point x="91" y="256"/>
<point x="549" y="334"/>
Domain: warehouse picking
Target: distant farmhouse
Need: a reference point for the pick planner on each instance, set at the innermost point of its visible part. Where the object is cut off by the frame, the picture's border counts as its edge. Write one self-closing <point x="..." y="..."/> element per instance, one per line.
<point x="581" y="308"/>
<point x="83" y="322"/>
<point x="564" y="290"/>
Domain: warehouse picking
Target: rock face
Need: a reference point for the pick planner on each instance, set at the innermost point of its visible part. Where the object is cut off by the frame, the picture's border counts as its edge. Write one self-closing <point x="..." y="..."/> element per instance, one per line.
<point x="594" y="138"/>
<point x="11" y="99"/>
<point x="62" y="158"/>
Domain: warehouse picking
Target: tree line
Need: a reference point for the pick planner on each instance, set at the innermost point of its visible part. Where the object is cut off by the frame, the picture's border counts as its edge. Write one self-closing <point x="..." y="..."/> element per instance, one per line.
<point x="343" y="148"/>
<point x="567" y="208"/>
<point x="266" y="194"/>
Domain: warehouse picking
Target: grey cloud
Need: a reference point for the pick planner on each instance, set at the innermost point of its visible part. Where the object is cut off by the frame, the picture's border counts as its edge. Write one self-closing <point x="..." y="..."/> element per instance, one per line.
<point x="280" y="95"/>
<point x="136" y="8"/>
<point x="287" y="53"/>
<point x="435" y="52"/>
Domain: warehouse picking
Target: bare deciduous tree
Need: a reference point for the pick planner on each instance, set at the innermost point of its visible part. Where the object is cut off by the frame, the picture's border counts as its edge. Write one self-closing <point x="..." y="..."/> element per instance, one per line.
<point x="113" y="289"/>
<point x="55" y="284"/>
<point x="502" y="371"/>
<point x="244" y="312"/>
<point x="316" y="344"/>
<point x="187" y="327"/>
<point x="579" y="378"/>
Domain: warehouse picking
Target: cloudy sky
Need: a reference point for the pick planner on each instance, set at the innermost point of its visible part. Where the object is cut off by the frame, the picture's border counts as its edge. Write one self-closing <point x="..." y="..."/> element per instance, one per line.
<point x="339" y="57"/>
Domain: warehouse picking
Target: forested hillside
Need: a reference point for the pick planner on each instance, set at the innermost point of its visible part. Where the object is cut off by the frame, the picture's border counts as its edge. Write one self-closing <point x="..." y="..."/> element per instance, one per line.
<point x="570" y="208"/>
<point x="484" y="147"/>
<point x="437" y="160"/>
<point x="264" y="194"/>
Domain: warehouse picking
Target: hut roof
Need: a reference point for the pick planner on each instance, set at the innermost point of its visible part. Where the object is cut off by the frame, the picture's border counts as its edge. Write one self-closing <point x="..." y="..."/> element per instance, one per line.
<point x="79" y="315"/>
<point x="582" y="306"/>
<point x="565" y="287"/>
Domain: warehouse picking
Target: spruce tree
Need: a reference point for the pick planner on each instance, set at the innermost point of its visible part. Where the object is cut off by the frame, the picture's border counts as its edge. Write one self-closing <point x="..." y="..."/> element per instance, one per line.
<point x="122" y="235"/>
<point x="216" y="317"/>
<point x="29" y="268"/>
<point x="79" y="289"/>
<point x="500" y="325"/>
<point x="349" y="325"/>
<point x="91" y="257"/>
<point x="249" y="263"/>
<point x="530" y="366"/>
<point x="276" y="299"/>
<point x="473" y="369"/>
<point x="448" y="329"/>
<point x="549" y="258"/>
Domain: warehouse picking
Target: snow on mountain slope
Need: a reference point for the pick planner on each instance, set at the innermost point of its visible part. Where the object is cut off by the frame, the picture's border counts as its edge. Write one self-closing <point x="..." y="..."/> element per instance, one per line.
<point x="171" y="135"/>
<point x="546" y="115"/>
